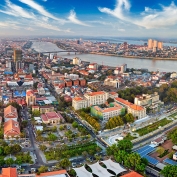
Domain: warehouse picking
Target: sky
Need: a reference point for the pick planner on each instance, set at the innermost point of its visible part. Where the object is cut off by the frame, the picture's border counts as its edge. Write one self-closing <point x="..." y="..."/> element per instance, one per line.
<point x="121" y="18"/>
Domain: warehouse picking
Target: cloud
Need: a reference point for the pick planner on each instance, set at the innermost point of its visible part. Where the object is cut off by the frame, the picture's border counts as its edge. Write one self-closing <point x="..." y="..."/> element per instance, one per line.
<point x="40" y="9"/>
<point x="72" y="17"/>
<point x="17" y="11"/>
<point x="149" y="18"/>
<point x="44" y="0"/>
<point x="121" y="29"/>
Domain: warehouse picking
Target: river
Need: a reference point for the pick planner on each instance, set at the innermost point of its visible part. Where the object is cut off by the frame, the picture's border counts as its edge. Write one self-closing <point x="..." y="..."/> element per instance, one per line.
<point x="151" y="65"/>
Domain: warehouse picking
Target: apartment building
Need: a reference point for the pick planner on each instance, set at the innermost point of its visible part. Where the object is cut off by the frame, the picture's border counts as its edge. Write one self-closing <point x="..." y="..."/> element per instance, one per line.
<point x="30" y="98"/>
<point x="89" y="99"/>
<point x="112" y="82"/>
<point x="149" y="101"/>
<point x="137" y="111"/>
<point x="114" y="109"/>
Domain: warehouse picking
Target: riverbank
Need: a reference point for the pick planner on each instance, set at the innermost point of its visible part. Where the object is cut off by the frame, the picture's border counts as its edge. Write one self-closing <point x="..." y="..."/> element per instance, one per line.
<point x="124" y="56"/>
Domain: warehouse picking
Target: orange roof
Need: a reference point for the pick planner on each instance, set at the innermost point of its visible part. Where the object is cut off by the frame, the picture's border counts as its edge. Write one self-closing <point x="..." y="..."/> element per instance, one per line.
<point x="95" y="93"/>
<point x="10" y="112"/>
<point x="131" y="105"/>
<point x="9" y="172"/>
<point x="29" y="92"/>
<point x="132" y="174"/>
<point x="53" y="173"/>
<point x="112" y="93"/>
<point x="136" y="107"/>
<point x="78" y="98"/>
<point x="11" y="127"/>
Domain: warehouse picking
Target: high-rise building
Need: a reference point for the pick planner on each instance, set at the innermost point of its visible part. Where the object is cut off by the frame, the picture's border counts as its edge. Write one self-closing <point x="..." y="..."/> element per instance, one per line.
<point x="17" y="55"/>
<point x="150" y="44"/>
<point x="160" y="45"/>
<point x="154" y="44"/>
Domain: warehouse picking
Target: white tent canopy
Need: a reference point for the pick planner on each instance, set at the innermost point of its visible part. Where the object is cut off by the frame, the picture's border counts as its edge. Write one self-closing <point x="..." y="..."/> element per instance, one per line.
<point x="82" y="172"/>
<point x="115" y="167"/>
<point x="98" y="170"/>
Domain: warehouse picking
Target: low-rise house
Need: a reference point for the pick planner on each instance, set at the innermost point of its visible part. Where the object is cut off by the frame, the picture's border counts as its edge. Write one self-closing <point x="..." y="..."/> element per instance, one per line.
<point x="52" y="117"/>
<point x="43" y="109"/>
<point x="158" y="141"/>
<point x="11" y="129"/>
<point x="10" y="113"/>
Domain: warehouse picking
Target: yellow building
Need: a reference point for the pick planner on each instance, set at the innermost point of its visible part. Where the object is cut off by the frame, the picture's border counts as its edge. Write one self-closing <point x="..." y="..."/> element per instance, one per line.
<point x="17" y="55"/>
<point x="43" y="109"/>
<point x="30" y="98"/>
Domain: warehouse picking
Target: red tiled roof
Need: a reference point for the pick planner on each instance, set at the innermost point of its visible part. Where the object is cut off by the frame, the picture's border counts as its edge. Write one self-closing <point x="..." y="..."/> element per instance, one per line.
<point x="53" y="173"/>
<point x="131" y="105"/>
<point x="132" y="174"/>
<point x="78" y="98"/>
<point x="10" y="112"/>
<point x="96" y="93"/>
<point x="11" y="127"/>
<point x="9" y="172"/>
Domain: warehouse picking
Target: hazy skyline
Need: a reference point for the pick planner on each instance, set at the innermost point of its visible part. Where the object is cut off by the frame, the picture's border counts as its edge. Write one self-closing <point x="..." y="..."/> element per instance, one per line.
<point x="133" y="18"/>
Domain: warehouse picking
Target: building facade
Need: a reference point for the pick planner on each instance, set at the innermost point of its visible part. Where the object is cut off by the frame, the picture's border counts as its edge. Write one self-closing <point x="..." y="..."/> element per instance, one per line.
<point x="89" y="99"/>
<point x="149" y="101"/>
<point x="137" y="111"/>
<point x="30" y="98"/>
<point x="114" y="109"/>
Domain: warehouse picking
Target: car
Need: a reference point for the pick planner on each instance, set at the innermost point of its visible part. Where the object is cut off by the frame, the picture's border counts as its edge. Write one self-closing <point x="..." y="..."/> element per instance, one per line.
<point x="74" y="164"/>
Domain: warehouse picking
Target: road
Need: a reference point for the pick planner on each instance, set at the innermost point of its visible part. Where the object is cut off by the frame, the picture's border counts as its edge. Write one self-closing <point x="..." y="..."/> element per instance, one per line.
<point x="153" y="136"/>
<point x="32" y="138"/>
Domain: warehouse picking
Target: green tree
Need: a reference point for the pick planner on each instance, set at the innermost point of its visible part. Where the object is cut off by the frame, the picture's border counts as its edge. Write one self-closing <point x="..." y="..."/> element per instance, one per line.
<point x="2" y="162"/>
<point x="75" y="124"/>
<point x="125" y="145"/>
<point x="160" y="150"/>
<point x="120" y="156"/>
<point x="111" y="150"/>
<point x="110" y="100"/>
<point x="169" y="171"/>
<point x="52" y="137"/>
<point x="65" y="163"/>
<point x="42" y="147"/>
<point x="42" y="169"/>
<point x="9" y="161"/>
<point x="61" y="127"/>
<point x="36" y="113"/>
<point x="7" y="150"/>
<point x="24" y="123"/>
<point x="16" y="148"/>
<point x="129" y="118"/>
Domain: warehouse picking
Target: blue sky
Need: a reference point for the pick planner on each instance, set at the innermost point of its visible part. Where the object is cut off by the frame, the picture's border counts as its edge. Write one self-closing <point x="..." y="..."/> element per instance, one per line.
<point x="121" y="18"/>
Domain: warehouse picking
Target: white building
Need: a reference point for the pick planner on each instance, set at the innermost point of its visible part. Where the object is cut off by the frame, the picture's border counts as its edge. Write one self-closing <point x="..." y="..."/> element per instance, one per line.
<point x="152" y="101"/>
<point x="112" y="82"/>
<point x="76" y="61"/>
<point x="137" y="111"/>
<point x="93" y="66"/>
<point x="89" y="99"/>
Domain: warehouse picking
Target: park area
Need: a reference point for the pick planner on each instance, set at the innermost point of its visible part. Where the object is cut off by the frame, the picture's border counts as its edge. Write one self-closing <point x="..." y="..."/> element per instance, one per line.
<point x="153" y="127"/>
<point x="65" y="151"/>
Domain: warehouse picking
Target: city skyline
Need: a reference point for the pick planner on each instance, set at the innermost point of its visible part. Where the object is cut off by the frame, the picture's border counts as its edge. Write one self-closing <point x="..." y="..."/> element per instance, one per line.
<point x="121" y="18"/>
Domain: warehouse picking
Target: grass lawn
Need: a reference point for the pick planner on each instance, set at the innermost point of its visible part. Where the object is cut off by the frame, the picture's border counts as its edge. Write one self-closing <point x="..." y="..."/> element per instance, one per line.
<point x="129" y="137"/>
<point x="173" y="115"/>
<point x="153" y="127"/>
